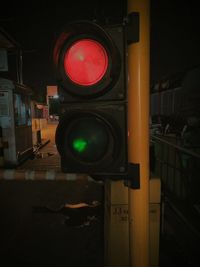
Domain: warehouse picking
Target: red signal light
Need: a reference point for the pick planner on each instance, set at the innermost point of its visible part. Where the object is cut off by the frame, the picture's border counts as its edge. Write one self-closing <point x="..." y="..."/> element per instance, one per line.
<point x="86" y="62"/>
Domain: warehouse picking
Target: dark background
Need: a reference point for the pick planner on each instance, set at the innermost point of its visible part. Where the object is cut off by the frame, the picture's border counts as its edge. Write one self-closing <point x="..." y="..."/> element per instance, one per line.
<point x="175" y="38"/>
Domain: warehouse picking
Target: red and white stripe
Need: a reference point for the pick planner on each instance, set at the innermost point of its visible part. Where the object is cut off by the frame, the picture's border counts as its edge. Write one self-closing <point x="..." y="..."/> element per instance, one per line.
<point x="50" y="175"/>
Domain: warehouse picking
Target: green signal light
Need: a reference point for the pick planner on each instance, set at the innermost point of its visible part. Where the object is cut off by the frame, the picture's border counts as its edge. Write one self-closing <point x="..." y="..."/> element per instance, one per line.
<point x="79" y="145"/>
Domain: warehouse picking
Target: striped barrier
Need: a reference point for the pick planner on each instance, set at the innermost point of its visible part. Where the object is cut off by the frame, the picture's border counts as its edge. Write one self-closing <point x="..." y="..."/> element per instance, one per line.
<point x="50" y="175"/>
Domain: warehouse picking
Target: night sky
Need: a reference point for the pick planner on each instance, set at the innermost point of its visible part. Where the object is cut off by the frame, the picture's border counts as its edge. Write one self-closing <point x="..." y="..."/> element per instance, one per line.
<point x="175" y="37"/>
<point x="175" y="34"/>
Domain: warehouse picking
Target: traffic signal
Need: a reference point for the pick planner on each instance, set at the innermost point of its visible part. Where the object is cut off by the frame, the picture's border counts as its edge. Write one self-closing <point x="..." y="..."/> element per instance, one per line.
<point x="90" y="67"/>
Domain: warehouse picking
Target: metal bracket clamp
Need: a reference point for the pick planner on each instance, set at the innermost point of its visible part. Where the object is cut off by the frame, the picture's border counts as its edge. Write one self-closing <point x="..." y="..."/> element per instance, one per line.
<point x="133" y="28"/>
<point x="133" y="177"/>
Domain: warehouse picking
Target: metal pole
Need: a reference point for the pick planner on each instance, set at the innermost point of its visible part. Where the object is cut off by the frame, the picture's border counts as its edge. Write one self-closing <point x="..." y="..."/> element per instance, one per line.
<point x="138" y="110"/>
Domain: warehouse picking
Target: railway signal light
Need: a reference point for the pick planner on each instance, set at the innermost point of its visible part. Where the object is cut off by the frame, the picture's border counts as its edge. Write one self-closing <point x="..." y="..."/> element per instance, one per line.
<point x="90" y="66"/>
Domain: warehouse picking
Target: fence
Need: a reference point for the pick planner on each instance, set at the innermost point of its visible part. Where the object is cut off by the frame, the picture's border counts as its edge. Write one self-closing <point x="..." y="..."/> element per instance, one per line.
<point x="179" y="170"/>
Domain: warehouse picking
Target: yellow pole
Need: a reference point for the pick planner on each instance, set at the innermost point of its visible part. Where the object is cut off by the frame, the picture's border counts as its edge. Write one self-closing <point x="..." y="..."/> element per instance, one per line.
<point x="138" y="110"/>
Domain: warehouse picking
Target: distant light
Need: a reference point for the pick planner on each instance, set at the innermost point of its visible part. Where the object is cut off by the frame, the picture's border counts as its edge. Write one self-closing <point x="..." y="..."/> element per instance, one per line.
<point x="86" y="62"/>
<point x="39" y="106"/>
<point x="56" y="96"/>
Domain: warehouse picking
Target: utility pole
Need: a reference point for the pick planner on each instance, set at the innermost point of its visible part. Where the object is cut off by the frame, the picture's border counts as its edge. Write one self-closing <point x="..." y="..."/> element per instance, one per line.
<point x="138" y="121"/>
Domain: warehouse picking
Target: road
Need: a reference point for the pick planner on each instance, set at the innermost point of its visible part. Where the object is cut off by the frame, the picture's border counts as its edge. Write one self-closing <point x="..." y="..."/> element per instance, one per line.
<point x="36" y="228"/>
<point x="47" y="156"/>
